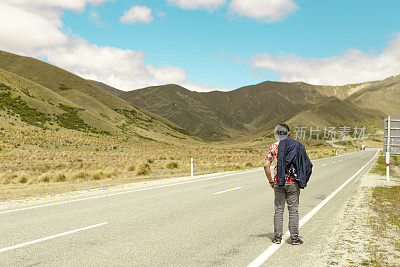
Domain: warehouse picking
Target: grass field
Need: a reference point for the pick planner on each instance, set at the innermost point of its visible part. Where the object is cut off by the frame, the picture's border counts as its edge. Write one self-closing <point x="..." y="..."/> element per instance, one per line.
<point x="36" y="162"/>
<point x="385" y="224"/>
<point x="385" y="203"/>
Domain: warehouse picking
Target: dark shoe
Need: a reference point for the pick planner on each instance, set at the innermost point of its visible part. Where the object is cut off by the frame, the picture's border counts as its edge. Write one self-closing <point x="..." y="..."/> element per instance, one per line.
<point x="297" y="242"/>
<point x="276" y="241"/>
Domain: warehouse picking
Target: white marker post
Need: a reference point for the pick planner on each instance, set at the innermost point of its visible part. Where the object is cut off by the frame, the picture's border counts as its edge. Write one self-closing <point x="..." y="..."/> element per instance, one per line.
<point x="387" y="150"/>
<point x="191" y="167"/>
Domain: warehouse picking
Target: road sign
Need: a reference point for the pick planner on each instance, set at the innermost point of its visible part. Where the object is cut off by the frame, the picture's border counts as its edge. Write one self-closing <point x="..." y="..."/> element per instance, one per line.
<point x="391" y="145"/>
<point x="393" y="137"/>
<point x="394" y="149"/>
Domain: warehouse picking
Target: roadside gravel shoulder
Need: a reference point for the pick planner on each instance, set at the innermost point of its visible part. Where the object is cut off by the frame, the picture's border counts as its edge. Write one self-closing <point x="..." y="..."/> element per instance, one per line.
<point x="364" y="236"/>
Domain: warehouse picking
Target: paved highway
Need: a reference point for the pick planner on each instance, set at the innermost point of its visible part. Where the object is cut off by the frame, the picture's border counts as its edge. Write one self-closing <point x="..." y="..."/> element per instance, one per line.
<point x="218" y="220"/>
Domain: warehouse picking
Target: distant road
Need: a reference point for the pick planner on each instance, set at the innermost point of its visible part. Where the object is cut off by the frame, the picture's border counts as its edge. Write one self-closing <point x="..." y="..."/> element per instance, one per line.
<point x="222" y="220"/>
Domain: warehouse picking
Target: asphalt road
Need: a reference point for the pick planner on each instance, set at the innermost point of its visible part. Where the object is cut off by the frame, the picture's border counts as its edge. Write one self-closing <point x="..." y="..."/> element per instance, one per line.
<point x="220" y="220"/>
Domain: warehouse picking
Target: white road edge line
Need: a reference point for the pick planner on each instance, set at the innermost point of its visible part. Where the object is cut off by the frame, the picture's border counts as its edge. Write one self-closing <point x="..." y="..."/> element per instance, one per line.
<point x="127" y="192"/>
<point x="273" y="248"/>
<point x="236" y="188"/>
<point x="50" y="237"/>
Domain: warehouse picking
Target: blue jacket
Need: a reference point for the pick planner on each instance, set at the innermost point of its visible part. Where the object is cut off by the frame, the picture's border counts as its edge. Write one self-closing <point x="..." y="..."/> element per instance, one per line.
<point x="292" y="158"/>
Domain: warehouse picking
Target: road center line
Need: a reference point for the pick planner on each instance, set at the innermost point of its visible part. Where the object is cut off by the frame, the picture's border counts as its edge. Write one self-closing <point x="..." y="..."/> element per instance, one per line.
<point x="129" y="191"/>
<point x="343" y="155"/>
<point x="236" y="188"/>
<point x="274" y="247"/>
<point x="50" y="237"/>
<point x="323" y="165"/>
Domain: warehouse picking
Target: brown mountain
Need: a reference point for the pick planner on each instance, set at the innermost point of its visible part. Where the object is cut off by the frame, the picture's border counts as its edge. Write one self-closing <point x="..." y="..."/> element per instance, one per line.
<point x="380" y="95"/>
<point x="256" y="109"/>
<point x="216" y="115"/>
<point x="335" y="112"/>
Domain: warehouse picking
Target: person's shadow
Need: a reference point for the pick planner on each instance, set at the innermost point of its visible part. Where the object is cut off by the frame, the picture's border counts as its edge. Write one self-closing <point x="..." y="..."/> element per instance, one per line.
<point x="271" y="237"/>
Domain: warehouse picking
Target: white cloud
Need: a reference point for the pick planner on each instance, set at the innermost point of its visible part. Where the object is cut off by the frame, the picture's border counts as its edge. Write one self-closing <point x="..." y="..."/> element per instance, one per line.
<point x="196" y="4"/>
<point x="162" y="14"/>
<point x="137" y="14"/>
<point x="121" y="68"/>
<point x="28" y="26"/>
<point x="167" y="74"/>
<point x="34" y="28"/>
<point x="94" y="17"/>
<point x="199" y="87"/>
<point x="353" y="66"/>
<point x="17" y="30"/>
<point x="75" y="5"/>
<point x="263" y="10"/>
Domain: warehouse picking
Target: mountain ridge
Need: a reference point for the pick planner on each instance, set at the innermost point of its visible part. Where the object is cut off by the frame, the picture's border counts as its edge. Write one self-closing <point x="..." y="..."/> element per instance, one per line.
<point x="257" y="108"/>
<point x="108" y="88"/>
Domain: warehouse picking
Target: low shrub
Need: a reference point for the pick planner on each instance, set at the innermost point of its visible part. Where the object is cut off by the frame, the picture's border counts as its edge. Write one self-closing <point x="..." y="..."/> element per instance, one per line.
<point x="20" y="107"/>
<point x="60" y="177"/>
<point x="45" y="178"/>
<point x="22" y="180"/>
<point x="98" y="175"/>
<point x="81" y="175"/>
<point x="143" y="169"/>
<point x="171" y="165"/>
<point x="63" y="87"/>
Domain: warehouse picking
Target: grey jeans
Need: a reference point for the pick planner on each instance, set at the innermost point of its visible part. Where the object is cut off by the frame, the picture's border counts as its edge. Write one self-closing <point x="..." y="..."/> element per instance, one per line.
<point x="288" y="193"/>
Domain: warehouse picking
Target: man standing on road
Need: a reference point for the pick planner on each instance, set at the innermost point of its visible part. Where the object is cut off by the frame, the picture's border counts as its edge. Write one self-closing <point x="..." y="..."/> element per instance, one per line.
<point x="289" y="193"/>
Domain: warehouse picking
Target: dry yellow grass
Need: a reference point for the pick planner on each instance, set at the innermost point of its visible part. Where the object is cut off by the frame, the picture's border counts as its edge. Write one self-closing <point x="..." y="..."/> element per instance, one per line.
<point x="34" y="161"/>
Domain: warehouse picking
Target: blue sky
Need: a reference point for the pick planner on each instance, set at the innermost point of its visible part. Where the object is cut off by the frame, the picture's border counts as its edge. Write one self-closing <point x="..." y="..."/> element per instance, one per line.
<point x="325" y="42"/>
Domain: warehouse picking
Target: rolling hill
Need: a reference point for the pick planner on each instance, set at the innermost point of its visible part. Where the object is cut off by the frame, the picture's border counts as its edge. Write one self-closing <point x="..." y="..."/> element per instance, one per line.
<point x="56" y="79"/>
<point x="34" y="93"/>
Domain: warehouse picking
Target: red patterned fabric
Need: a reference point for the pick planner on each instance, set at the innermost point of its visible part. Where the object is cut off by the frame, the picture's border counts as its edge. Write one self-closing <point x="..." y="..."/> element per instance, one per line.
<point x="271" y="156"/>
